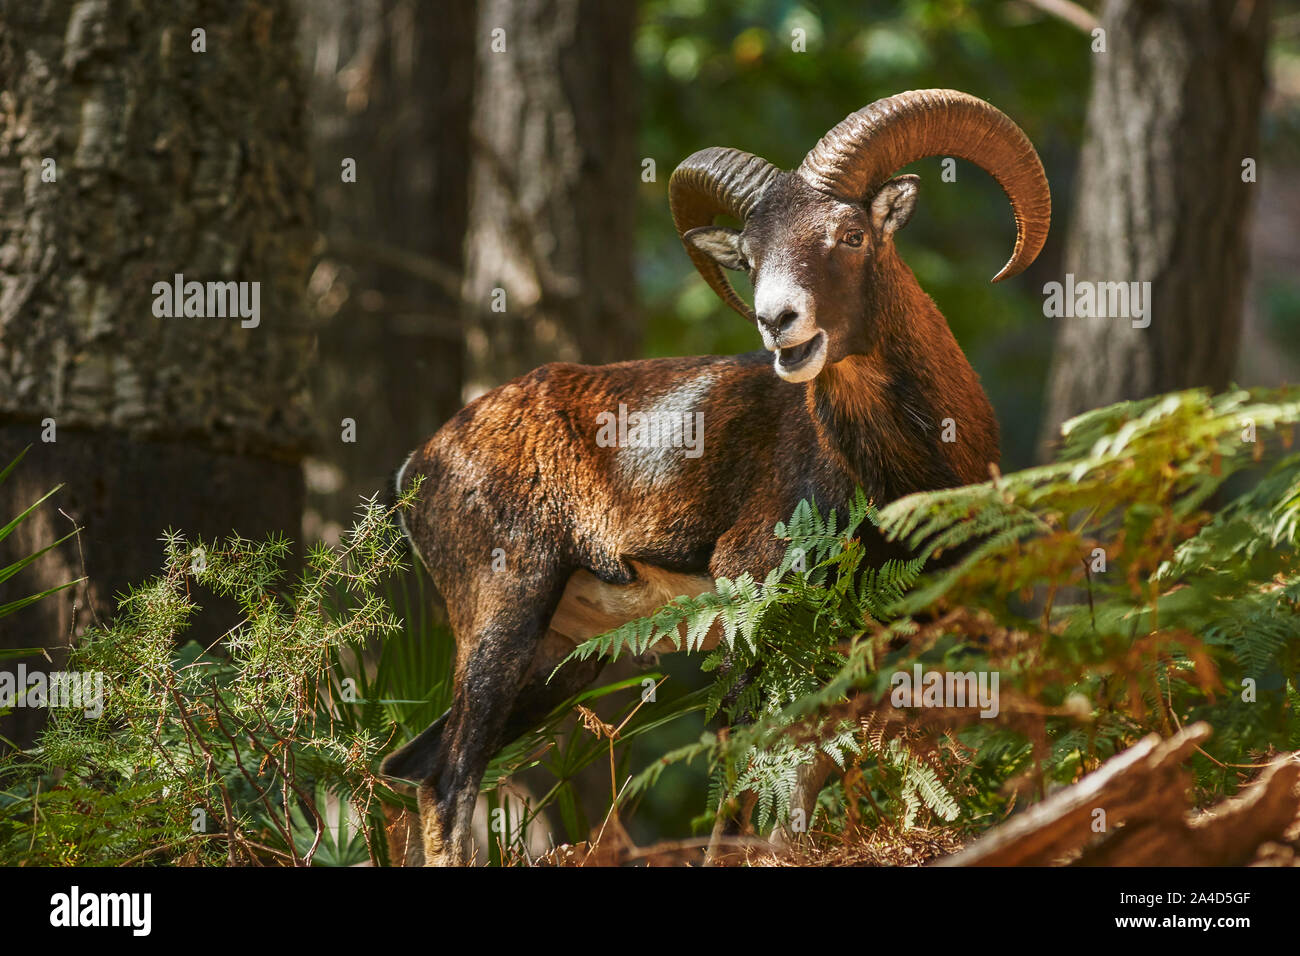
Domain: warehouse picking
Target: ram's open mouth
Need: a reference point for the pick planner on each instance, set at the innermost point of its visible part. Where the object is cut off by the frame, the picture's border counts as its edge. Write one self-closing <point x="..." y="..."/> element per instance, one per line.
<point x="806" y="356"/>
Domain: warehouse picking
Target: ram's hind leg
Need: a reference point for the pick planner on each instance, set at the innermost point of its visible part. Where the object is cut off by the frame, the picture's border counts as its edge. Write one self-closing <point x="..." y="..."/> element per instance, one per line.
<point x="445" y="822"/>
<point x="508" y="628"/>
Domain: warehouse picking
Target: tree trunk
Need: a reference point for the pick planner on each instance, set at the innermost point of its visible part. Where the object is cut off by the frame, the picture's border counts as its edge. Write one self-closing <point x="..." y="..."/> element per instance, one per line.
<point x="391" y="87"/>
<point x="165" y="160"/>
<point x="553" y="188"/>
<point x="1174" y="112"/>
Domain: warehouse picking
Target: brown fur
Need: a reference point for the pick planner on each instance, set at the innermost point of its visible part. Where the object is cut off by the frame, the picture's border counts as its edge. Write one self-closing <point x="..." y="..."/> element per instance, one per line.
<point x="593" y="535"/>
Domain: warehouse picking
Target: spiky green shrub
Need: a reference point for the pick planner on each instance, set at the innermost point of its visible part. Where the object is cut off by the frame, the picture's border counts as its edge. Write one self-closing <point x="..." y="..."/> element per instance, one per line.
<point x="209" y="755"/>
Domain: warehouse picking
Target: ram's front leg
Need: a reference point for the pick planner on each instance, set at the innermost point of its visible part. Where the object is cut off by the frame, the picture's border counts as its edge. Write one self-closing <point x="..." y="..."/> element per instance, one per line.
<point x="751" y="547"/>
<point x="732" y="821"/>
<point x="803" y="802"/>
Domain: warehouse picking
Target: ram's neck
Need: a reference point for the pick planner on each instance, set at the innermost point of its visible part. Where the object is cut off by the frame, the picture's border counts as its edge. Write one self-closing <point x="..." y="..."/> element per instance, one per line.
<point x="911" y="415"/>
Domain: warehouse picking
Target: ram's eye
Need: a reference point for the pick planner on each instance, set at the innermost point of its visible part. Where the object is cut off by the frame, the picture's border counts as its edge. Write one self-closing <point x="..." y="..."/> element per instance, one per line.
<point x="852" y="238"/>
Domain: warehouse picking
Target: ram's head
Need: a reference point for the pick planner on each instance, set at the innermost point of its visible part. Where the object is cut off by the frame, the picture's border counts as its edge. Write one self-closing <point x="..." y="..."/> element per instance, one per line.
<point x="813" y="239"/>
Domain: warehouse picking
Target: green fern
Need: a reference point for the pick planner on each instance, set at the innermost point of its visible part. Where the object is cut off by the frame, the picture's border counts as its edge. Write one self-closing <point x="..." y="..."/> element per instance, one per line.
<point x="1100" y="589"/>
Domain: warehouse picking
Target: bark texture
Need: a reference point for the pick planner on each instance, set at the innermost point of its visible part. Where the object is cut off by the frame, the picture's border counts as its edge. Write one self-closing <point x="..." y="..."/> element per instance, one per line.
<point x="1174" y="111"/>
<point x="168" y="160"/>
<point x="553" y="188"/>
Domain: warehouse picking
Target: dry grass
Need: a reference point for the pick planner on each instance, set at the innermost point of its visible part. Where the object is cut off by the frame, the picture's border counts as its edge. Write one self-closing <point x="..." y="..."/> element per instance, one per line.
<point x="883" y="847"/>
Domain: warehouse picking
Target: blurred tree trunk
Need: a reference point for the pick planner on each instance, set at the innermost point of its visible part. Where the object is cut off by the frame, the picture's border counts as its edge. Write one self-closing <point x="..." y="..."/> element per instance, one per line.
<point x="167" y="160"/>
<point x="1175" y="110"/>
<point x="391" y="87"/>
<point x="552" y="188"/>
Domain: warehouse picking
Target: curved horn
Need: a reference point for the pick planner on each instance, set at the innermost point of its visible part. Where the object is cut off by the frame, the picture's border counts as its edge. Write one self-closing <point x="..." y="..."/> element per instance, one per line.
<point x="867" y="147"/>
<point x="714" y="181"/>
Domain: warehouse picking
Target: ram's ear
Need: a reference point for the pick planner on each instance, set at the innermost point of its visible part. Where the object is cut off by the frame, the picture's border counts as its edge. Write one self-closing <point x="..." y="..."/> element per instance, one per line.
<point x="893" y="204"/>
<point x="720" y="244"/>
